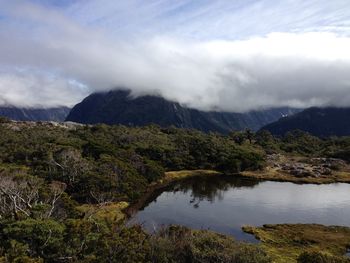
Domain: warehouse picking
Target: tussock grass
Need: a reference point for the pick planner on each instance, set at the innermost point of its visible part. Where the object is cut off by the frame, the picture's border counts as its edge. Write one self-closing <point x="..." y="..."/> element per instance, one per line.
<point x="110" y="212"/>
<point x="285" y="242"/>
<point x="177" y="175"/>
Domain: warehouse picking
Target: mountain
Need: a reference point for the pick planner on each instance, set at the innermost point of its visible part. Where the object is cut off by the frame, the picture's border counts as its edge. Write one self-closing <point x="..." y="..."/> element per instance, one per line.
<point x="34" y="114"/>
<point x="321" y="122"/>
<point x="117" y="107"/>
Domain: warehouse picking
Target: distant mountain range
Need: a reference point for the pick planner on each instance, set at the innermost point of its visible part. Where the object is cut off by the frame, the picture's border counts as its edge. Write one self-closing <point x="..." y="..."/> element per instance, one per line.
<point x="34" y="114"/>
<point x="117" y="107"/>
<point x="321" y="122"/>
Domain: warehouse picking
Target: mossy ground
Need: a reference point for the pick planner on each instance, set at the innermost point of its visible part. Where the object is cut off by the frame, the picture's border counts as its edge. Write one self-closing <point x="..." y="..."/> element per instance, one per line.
<point x="111" y="212"/>
<point x="178" y="175"/>
<point x="273" y="172"/>
<point x="273" y="175"/>
<point x="285" y="242"/>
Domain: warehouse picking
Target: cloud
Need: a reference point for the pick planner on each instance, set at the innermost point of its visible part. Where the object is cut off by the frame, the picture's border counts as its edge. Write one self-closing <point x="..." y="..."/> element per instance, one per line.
<point x="35" y="89"/>
<point x="52" y="59"/>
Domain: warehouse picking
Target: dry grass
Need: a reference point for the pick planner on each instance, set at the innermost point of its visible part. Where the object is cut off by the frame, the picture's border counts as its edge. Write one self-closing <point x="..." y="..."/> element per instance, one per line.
<point x="178" y="175"/>
<point x="284" y="243"/>
<point x="110" y="212"/>
<point x="275" y="174"/>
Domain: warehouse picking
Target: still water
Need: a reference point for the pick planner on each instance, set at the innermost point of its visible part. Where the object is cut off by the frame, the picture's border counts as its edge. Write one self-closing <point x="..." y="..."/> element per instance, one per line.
<point x="224" y="204"/>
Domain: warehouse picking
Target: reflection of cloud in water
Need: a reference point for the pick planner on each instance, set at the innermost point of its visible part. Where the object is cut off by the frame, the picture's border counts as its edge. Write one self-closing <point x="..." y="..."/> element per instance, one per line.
<point x="301" y="196"/>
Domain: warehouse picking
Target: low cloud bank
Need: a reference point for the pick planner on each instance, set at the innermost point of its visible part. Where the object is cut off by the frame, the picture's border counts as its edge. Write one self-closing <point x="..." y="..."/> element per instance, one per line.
<point x="48" y="60"/>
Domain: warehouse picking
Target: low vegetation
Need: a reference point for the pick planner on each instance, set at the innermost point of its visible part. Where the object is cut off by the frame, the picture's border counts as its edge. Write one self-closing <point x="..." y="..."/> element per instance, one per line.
<point x="109" y="212"/>
<point x="303" y="243"/>
<point x="301" y="158"/>
<point x="302" y="170"/>
<point x="178" y="175"/>
<point x="64" y="189"/>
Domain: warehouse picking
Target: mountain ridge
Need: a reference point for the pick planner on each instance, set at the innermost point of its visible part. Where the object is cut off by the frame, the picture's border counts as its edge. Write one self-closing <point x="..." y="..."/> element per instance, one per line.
<point x="117" y="107"/>
<point x="34" y="114"/>
<point x="323" y="122"/>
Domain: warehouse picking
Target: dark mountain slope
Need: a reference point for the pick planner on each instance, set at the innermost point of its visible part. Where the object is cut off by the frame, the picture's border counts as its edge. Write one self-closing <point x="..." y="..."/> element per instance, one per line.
<point x="33" y="114"/>
<point x="317" y="121"/>
<point x="116" y="107"/>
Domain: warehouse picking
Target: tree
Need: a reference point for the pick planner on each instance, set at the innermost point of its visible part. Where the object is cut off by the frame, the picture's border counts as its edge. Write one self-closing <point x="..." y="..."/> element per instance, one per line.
<point x="266" y="140"/>
<point x="56" y="189"/>
<point x="18" y="194"/>
<point x="249" y="135"/>
<point x="4" y="119"/>
<point x="43" y="238"/>
<point x="238" y="137"/>
<point x="71" y="164"/>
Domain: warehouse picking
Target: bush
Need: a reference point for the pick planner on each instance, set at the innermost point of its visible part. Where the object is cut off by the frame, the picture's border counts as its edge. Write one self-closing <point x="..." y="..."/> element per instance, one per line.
<point x="182" y="245"/>
<point x="4" y="119"/>
<point x="317" y="257"/>
<point x="42" y="238"/>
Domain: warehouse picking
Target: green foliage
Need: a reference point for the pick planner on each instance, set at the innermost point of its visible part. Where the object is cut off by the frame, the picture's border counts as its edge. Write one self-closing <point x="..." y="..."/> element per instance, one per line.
<point x="4" y="119"/>
<point x="338" y="148"/>
<point x="317" y="257"/>
<point x="300" y="142"/>
<point x="182" y="245"/>
<point x="266" y="140"/>
<point x="306" y="243"/>
<point x="304" y="144"/>
<point x="238" y="137"/>
<point x="84" y="240"/>
<point x="56" y="170"/>
<point x="41" y="238"/>
<point x="112" y="163"/>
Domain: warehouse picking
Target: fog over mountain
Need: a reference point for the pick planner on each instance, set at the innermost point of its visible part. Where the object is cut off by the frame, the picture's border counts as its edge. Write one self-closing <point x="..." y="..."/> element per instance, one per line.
<point x="34" y="114"/>
<point x="322" y="122"/>
<point x="210" y="55"/>
<point x="117" y="107"/>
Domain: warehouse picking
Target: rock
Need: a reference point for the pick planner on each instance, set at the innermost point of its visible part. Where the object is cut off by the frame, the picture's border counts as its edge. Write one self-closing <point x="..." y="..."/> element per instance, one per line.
<point x="328" y="162"/>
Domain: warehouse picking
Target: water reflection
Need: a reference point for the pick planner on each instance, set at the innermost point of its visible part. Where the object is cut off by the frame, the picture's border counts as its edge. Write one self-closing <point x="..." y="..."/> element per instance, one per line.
<point x="226" y="203"/>
<point x="209" y="188"/>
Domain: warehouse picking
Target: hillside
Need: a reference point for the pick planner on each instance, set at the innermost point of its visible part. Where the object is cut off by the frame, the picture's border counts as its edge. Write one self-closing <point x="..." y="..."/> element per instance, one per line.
<point x="322" y="122"/>
<point x="34" y="114"/>
<point x="117" y="107"/>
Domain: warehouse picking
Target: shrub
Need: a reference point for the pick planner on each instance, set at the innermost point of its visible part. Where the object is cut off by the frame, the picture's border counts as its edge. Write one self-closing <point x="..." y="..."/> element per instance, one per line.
<point x="317" y="257"/>
<point x="4" y="119"/>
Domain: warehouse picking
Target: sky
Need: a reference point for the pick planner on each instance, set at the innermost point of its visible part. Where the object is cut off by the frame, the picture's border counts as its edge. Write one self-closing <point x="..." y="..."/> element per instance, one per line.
<point x="228" y="55"/>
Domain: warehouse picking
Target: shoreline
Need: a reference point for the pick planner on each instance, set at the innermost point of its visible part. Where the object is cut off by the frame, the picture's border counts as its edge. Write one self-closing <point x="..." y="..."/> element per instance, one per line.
<point x="266" y="176"/>
<point x="283" y="242"/>
<point x="286" y="242"/>
<point x="170" y="178"/>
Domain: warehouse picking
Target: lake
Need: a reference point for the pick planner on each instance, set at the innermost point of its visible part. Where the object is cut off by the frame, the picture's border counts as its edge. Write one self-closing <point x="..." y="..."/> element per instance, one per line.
<point x="226" y="203"/>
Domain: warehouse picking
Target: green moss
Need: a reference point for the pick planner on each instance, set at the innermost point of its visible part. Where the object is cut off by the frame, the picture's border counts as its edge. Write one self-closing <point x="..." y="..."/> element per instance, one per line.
<point x="273" y="175"/>
<point x="178" y="175"/>
<point x="110" y="212"/>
